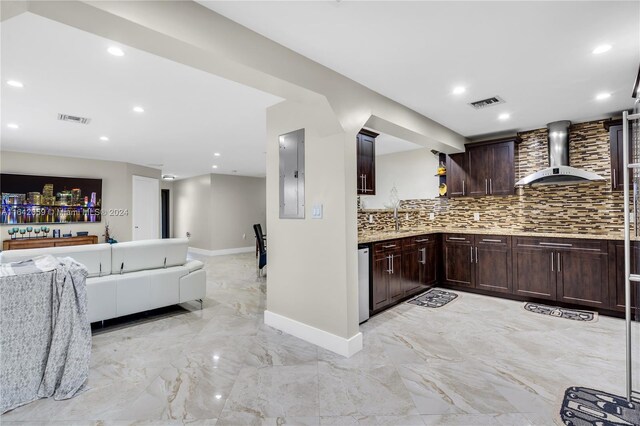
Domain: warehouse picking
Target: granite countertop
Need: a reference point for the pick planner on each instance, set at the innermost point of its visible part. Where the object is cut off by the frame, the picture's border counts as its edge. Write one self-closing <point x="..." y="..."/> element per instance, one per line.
<point x="374" y="236"/>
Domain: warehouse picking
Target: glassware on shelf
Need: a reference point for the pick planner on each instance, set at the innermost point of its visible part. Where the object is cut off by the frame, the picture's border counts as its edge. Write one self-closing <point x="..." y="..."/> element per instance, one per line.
<point x="22" y="232"/>
<point x="36" y="231"/>
<point x="12" y="233"/>
<point x="29" y="230"/>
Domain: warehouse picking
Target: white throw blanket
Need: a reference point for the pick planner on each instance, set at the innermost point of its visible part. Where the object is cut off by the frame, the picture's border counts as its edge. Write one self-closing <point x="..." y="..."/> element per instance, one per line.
<point x="45" y="332"/>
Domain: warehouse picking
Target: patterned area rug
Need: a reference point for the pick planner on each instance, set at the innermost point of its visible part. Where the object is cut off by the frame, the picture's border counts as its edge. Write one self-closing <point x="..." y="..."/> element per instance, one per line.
<point x="434" y="298"/>
<point x="554" y="311"/>
<point x="590" y="407"/>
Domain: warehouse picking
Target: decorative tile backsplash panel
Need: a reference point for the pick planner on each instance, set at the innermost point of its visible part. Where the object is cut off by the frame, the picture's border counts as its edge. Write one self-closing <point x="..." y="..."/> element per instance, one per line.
<point x="584" y="208"/>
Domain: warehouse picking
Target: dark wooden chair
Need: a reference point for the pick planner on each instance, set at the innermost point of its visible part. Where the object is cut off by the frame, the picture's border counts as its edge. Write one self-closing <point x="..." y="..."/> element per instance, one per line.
<point x="261" y="249"/>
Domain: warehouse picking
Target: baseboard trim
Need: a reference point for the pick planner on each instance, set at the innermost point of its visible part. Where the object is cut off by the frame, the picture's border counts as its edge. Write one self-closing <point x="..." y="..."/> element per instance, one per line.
<point x="204" y="252"/>
<point x="324" y="339"/>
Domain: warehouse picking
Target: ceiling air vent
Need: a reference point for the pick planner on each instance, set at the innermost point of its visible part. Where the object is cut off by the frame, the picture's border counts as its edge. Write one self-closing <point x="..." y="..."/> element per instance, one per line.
<point x="74" y="119"/>
<point x="496" y="100"/>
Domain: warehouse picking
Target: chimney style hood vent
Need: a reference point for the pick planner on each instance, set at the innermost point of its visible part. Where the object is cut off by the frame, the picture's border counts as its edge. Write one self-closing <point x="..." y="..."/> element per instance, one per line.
<point x="559" y="172"/>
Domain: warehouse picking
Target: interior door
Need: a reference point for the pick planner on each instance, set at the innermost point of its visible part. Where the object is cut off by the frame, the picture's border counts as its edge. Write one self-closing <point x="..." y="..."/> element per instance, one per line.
<point x="145" y="209"/>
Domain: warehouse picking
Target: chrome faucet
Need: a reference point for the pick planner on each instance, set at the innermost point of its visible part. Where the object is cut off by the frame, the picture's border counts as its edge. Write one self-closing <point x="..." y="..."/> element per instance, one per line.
<point x="396" y="217"/>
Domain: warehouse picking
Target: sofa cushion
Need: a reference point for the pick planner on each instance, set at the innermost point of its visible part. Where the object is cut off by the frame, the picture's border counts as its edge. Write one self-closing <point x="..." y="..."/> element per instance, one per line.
<point x="95" y="257"/>
<point x="135" y="256"/>
<point x="193" y="265"/>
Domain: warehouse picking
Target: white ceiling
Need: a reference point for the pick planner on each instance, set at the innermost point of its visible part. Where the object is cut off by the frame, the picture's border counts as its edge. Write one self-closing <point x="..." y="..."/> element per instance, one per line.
<point x="535" y="55"/>
<point x="189" y="114"/>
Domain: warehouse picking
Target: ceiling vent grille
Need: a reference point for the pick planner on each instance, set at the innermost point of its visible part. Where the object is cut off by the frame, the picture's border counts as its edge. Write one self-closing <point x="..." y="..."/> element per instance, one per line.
<point x="74" y="119"/>
<point x="484" y="103"/>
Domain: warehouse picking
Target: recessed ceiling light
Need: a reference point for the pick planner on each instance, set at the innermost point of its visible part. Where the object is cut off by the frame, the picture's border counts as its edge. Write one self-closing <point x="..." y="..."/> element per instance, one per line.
<point x="15" y="83"/>
<point x="504" y="116"/>
<point x="603" y="96"/>
<point x="168" y="177"/>
<point x="115" y="51"/>
<point x="214" y="167"/>
<point x="218" y="396"/>
<point x="12" y="126"/>
<point x="601" y="49"/>
<point x="459" y="90"/>
<point x="216" y="357"/>
<point x="217" y="154"/>
<point x="104" y="138"/>
<point x="138" y="109"/>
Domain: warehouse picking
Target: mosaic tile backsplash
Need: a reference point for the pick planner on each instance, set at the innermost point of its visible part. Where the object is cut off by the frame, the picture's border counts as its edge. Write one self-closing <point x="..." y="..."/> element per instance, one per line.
<point x="589" y="208"/>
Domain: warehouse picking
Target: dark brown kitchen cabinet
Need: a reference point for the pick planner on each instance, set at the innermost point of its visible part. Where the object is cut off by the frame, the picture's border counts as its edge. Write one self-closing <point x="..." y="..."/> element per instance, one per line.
<point x="617" y="165"/>
<point x="582" y="277"/>
<point x="458" y="259"/>
<point x="419" y="263"/>
<point x="457" y="184"/>
<point x="533" y="275"/>
<point x="570" y="271"/>
<point x="616" y="275"/>
<point x="491" y="168"/>
<point x="387" y="286"/>
<point x="493" y="263"/>
<point x="480" y="261"/>
<point x="366" y="158"/>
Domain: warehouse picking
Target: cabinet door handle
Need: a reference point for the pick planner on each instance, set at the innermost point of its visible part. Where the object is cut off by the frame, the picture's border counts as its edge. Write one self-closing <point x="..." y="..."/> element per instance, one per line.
<point x="559" y="263"/>
<point x="476" y="254"/>
<point x="552" y="270"/>
<point x="462" y="186"/>
<point x="366" y="189"/>
<point x="490" y="240"/>
<point x="490" y="187"/>
<point x="556" y="244"/>
<point x="457" y="238"/>
<point x="471" y="249"/>
<point x="389" y="270"/>
<point x="615" y="183"/>
<point x="423" y="252"/>
<point x="393" y="270"/>
<point x="486" y="187"/>
<point x="389" y="246"/>
<point x="424" y="240"/>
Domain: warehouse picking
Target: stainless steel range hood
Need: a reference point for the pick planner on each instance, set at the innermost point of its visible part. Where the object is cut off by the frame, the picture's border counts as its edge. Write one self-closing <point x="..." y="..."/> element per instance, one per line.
<point x="559" y="172"/>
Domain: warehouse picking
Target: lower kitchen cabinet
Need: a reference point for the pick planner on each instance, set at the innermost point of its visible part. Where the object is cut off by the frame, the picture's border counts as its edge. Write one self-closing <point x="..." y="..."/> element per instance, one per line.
<point x="480" y="261"/>
<point x="402" y="268"/>
<point x="570" y="271"/>
<point x="533" y="273"/>
<point x="386" y="283"/>
<point x="582" y="277"/>
<point x="419" y="263"/>
<point x="574" y="271"/>
<point x="459" y="264"/>
<point x="493" y="263"/>
<point x="616" y="275"/>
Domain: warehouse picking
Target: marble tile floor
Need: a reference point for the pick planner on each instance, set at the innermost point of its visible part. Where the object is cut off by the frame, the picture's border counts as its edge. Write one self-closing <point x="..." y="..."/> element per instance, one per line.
<point x="477" y="361"/>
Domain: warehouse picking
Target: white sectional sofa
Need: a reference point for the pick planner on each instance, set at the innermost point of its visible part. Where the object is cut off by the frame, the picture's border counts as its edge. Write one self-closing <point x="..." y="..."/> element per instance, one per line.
<point x="130" y="277"/>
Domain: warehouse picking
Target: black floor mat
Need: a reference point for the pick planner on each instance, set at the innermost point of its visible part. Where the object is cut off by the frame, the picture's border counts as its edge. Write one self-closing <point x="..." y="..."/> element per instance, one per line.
<point x="590" y="407"/>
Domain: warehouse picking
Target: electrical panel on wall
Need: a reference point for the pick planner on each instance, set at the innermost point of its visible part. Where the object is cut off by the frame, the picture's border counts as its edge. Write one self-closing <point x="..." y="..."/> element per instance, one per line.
<point x="291" y="149"/>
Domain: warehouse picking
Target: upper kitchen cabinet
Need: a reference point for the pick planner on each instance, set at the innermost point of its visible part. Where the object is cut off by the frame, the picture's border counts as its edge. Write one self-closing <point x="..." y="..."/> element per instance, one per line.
<point x="366" y="147"/>
<point x="491" y="167"/>
<point x="615" y="138"/>
<point x="457" y="184"/>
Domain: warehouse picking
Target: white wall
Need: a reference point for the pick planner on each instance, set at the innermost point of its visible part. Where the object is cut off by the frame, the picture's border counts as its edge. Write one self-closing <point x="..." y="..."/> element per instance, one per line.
<point x="192" y="206"/>
<point x="237" y="203"/>
<point x="412" y="172"/>
<point x="219" y="210"/>
<point x="116" y="187"/>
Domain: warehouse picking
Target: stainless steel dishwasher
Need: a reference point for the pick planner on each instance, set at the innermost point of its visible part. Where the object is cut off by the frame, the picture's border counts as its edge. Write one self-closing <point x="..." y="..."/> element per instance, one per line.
<point x="363" y="283"/>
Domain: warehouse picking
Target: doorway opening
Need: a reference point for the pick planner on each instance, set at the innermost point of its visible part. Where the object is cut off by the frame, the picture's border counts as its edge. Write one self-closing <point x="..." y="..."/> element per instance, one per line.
<point x="164" y="203"/>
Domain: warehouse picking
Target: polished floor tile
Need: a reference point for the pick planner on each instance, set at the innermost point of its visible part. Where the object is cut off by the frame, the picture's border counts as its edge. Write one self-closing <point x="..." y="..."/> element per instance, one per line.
<point x="477" y="361"/>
